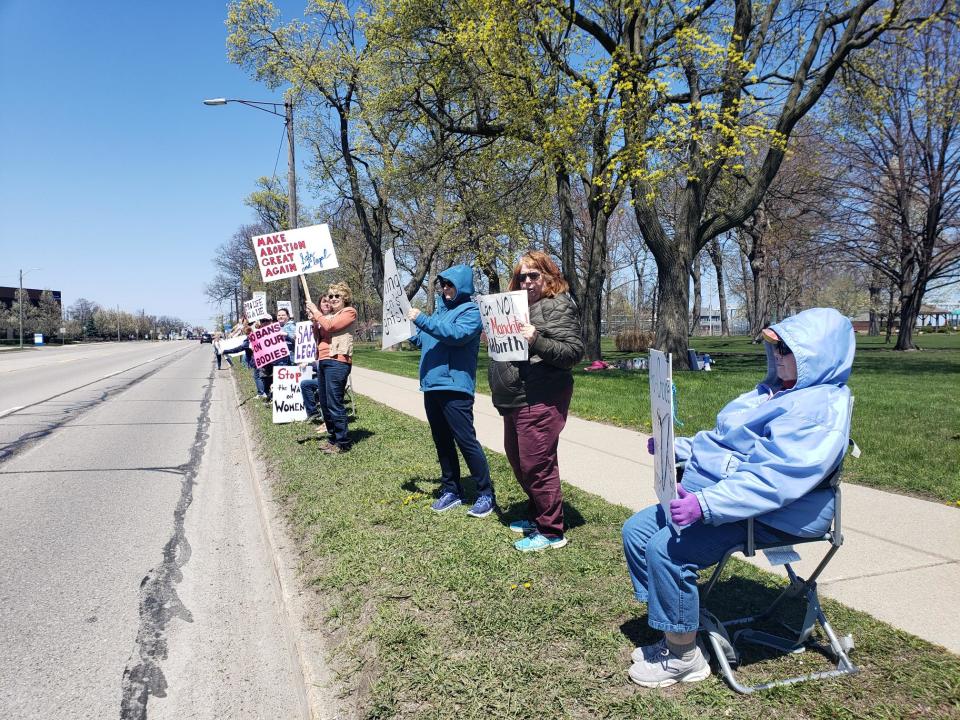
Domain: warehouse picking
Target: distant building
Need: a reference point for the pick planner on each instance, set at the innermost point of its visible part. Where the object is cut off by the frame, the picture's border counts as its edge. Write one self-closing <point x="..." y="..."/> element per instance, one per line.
<point x="8" y="296"/>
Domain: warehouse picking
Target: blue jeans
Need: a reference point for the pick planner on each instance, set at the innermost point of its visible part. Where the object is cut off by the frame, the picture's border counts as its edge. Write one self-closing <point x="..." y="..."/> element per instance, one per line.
<point x="450" y="415"/>
<point x="663" y="565"/>
<point x="309" y="388"/>
<point x="332" y="376"/>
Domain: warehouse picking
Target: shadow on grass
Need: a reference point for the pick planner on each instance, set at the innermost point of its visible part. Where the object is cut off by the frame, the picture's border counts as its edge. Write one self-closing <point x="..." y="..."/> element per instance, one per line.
<point x="572" y="517"/>
<point x="357" y="435"/>
<point x="736" y="597"/>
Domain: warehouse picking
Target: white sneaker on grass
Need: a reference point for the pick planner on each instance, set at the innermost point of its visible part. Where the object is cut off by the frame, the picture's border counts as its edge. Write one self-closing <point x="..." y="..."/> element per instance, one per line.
<point x="664" y="668"/>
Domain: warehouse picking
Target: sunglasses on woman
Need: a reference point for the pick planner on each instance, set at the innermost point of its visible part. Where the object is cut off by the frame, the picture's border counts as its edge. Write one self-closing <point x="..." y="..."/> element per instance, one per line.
<point x="444" y="283"/>
<point x="533" y="275"/>
<point x="331" y="296"/>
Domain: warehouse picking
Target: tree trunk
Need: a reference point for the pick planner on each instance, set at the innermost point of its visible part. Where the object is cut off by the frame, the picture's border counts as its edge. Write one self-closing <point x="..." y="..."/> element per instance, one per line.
<point x="761" y="290"/>
<point x="568" y="239"/>
<point x="716" y="257"/>
<point x="875" y="279"/>
<point x="595" y="275"/>
<point x="748" y="304"/>
<point x="890" y="308"/>
<point x="697" y="298"/>
<point x="431" y="289"/>
<point x="673" y="280"/>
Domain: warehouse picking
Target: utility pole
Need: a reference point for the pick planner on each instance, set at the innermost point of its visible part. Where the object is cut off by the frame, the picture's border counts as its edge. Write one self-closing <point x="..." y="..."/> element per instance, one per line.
<point x="292" y="201"/>
<point x="20" y="305"/>
<point x="291" y="174"/>
<point x="118" y="323"/>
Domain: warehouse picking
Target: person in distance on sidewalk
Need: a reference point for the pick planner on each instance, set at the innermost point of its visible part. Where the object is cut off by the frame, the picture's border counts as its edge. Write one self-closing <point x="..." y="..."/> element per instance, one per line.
<point x="765" y="459"/>
<point x="336" y="340"/>
<point x="449" y="341"/>
<point x="533" y="397"/>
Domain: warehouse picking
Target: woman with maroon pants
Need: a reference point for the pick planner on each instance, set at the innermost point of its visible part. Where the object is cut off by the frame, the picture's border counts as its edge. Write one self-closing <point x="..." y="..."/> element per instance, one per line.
<point x="533" y="397"/>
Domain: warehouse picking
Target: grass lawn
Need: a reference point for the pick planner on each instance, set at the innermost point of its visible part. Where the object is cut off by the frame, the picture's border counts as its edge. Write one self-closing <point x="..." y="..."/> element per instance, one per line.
<point x="906" y="419"/>
<point x="438" y="617"/>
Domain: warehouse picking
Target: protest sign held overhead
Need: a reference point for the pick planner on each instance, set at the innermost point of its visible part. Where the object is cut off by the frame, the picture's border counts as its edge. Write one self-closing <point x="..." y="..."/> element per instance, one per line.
<point x="285" y="305"/>
<point x="287" y="398"/>
<point x="256" y="307"/>
<point x="232" y="345"/>
<point x="504" y="316"/>
<point x="661" y="416"/>
<point x="294" y="252"/>
<point x="305" y="346"/>
<point x="396" y="327"/>
<point x="269" y="344"/>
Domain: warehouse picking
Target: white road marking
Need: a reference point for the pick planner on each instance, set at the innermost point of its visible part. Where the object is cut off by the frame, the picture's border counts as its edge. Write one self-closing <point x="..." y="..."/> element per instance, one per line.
<point x="10" y="410"/>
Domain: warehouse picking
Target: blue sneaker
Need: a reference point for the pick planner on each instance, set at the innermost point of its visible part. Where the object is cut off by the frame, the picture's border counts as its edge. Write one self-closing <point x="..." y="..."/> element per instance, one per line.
<point x="523" y="527"/>
<point x="482" y="507"/>
<point x="446" y="501"/>
<point x="537" y="542"/>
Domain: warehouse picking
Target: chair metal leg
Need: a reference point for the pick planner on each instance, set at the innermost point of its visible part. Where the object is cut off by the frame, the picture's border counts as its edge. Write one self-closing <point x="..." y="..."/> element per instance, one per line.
<point x="837" y="648"/>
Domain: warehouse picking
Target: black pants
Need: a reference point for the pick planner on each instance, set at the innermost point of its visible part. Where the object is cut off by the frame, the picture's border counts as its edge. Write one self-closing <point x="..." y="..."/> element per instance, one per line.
<point x="451" y="422"/>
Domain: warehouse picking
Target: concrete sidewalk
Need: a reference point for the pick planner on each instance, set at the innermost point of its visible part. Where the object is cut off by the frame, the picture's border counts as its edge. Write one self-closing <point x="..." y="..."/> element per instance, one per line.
<point x="900" y="560"/>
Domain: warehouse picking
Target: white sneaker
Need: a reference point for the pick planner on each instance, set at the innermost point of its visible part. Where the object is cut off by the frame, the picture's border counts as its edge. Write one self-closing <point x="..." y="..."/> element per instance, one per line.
<point x="665" y="668"/>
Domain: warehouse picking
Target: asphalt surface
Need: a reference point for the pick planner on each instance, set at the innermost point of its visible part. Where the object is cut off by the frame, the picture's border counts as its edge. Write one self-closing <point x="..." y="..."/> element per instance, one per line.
<point x="135" y="578"/>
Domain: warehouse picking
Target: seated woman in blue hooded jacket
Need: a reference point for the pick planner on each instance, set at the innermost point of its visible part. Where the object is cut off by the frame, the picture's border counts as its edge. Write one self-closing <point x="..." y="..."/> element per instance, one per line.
<point x="765" y="459"/>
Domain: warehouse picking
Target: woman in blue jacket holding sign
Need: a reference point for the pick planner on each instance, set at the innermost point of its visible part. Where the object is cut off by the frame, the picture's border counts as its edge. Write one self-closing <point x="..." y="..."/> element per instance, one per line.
<point x="765" y="459"/>
<point x="449" y="341"/>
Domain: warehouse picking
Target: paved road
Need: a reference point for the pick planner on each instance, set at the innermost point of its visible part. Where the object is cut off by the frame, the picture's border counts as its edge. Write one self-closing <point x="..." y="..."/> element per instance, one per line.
<point x="134" y="579"/>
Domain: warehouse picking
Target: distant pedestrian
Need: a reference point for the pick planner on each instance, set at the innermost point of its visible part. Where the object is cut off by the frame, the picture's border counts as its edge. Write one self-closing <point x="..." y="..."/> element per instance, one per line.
<point x="449" y="341"/>
<point x="533" y="396"/>
<point x="336" y="340"/>
<point x="216" y="348"/>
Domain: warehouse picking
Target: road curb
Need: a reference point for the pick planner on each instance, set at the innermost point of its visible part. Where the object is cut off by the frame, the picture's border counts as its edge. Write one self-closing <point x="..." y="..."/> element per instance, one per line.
<point x="307" y="647"/>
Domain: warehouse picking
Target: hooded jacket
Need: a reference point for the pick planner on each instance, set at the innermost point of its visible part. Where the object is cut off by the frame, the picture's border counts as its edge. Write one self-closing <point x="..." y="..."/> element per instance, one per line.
<point x="450" y="338"/>
<point x="772" y="447"/>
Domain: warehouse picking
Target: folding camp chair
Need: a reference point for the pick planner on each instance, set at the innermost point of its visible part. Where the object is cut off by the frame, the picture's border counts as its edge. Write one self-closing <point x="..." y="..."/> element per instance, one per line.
<point x="723" y="646"/>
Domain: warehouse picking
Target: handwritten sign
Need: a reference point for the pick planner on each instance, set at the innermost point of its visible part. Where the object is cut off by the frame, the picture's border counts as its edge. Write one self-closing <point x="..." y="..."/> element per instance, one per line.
<point x="294" y="252"/>
<point x="269" y="344"/>
<point x="285" y="305"/>
<point x="256" y="307"/>
<point x="305" y="347"/>
<point x="396" y="327"/>
<point x="661" y="416"/>
<point x="287" y="398"/>
<point x="503" y="316"/>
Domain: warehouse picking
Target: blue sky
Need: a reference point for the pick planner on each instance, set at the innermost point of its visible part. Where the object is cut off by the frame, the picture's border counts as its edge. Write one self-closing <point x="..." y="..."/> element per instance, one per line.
<point x="115" y="180"/>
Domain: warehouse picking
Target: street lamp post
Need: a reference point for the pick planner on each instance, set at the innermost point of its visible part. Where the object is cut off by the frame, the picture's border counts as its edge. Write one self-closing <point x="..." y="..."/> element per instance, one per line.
<point x="20" y="302"/>
<point x="287" y="116"/>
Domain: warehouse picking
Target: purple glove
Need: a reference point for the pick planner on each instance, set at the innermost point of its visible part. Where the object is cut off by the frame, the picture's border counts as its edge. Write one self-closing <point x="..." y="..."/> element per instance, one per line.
<point x="686" y="509"/>
<point x="650" y="446"/>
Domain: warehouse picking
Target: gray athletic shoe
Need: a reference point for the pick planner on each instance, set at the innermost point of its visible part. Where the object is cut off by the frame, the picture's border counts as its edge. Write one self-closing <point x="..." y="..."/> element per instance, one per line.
<point x="665" y="668"/>
<point x="648" y="652"/>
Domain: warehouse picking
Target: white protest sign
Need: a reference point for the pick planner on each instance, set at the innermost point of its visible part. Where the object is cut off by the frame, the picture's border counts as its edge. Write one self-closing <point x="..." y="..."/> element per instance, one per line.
<point x="232" y="345"/>
<point x="661" y="416"/>
<point x="285" y="305"/>
<point x="287" y="398"/>
<point x="256" y="307"/>
<point x="396" y="327"/>
<point x="305" y="347"/>
<point x="503" y="316"/>
<point x="294" y="252"/>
